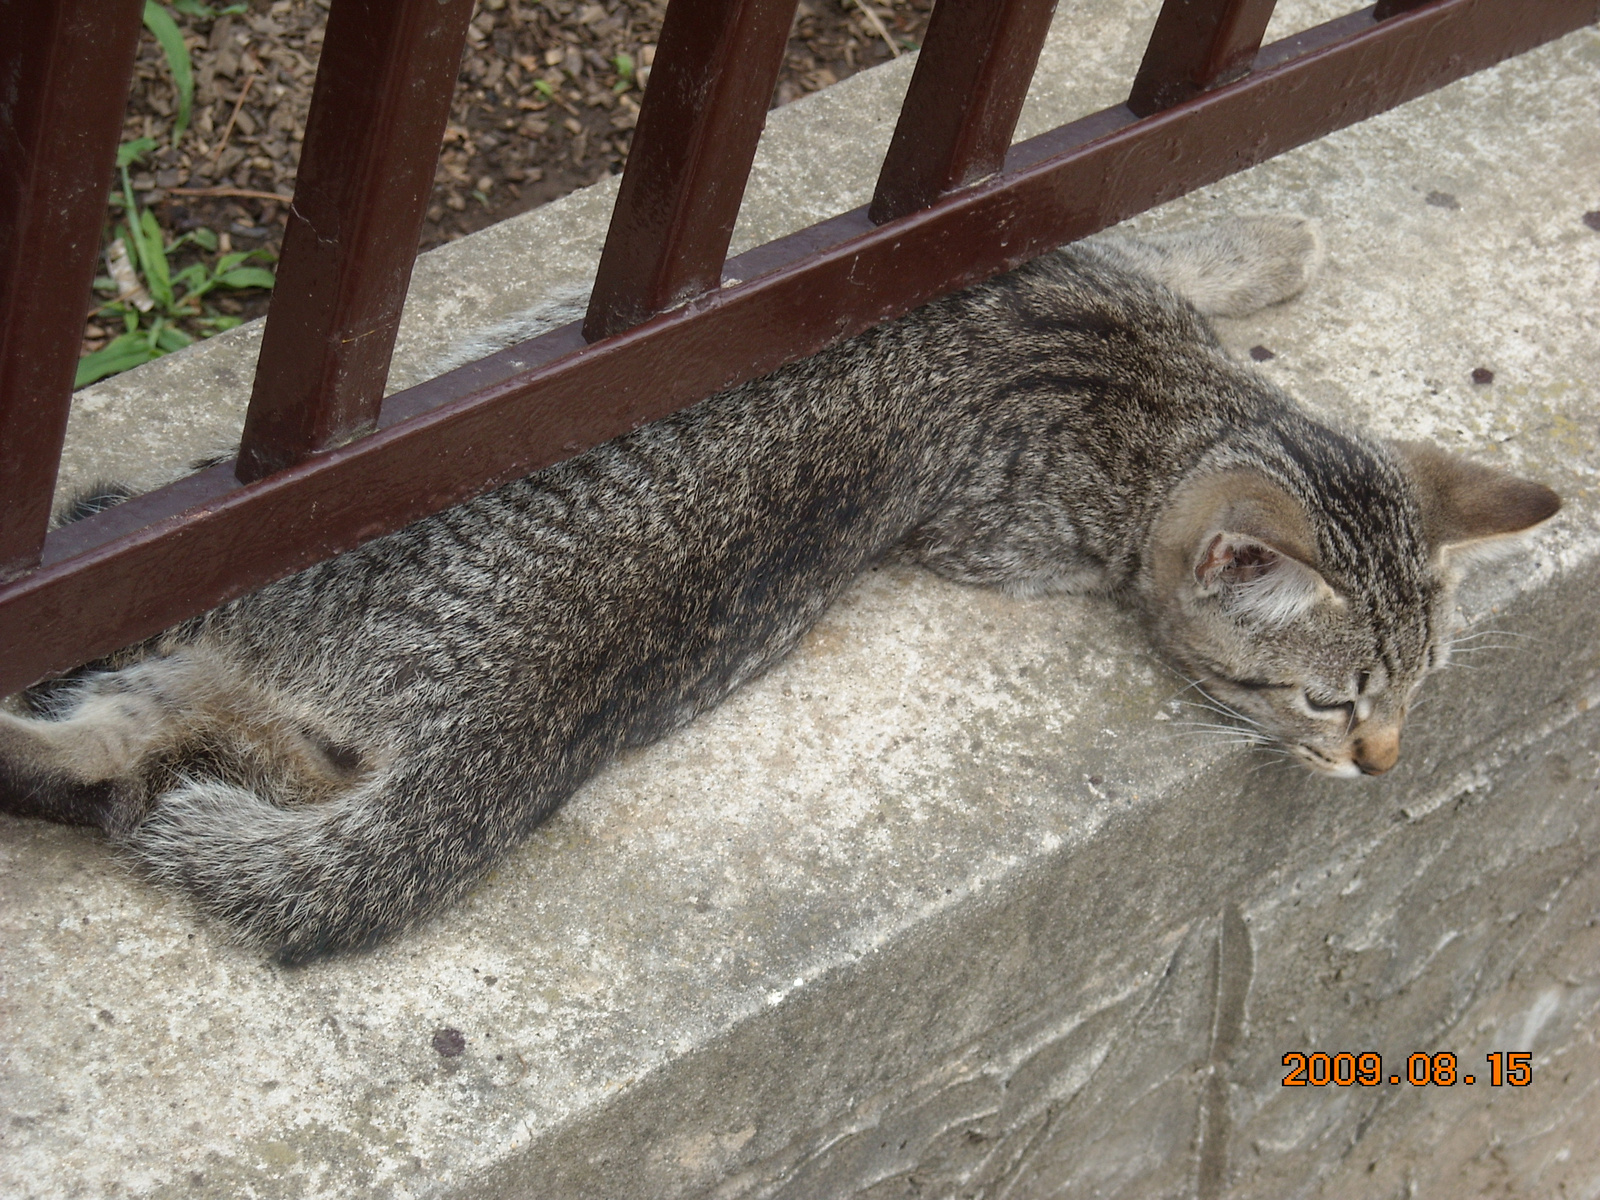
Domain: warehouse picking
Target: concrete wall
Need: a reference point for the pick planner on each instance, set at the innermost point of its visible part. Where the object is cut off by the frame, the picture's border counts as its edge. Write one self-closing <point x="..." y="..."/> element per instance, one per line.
<point x="948" y="904"/>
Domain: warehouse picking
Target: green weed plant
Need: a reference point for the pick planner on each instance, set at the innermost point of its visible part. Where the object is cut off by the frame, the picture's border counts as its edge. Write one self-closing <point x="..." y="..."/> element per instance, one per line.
<point x="152" y="329"/>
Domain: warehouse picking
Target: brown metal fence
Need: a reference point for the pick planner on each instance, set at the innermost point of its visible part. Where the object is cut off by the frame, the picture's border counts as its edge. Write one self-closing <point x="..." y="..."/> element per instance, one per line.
<point x="326" y="463"/>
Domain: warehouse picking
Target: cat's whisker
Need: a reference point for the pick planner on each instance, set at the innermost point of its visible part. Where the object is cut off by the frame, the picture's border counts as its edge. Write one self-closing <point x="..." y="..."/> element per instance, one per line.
<point x="1189" y="685"/>
<point x="1218" y="725"/>
<point x="1478" y="633"/>
<point x="1207" y="701"/>
<point x="1483" y="639"/>
<point x="1234" y="735"/>
<point x="1223" y="739"/>
<point x="1272" y="758"/>
<point x="1223" y="710"/>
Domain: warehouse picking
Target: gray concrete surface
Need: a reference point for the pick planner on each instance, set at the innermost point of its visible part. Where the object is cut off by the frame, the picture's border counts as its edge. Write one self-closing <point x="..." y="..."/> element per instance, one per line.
<point x="947" y="904"/>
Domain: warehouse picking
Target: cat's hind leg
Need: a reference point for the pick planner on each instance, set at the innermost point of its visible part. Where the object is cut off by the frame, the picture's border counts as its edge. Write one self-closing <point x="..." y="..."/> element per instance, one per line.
<point x="85" y="762"/>
<point x="1229" y="268"/>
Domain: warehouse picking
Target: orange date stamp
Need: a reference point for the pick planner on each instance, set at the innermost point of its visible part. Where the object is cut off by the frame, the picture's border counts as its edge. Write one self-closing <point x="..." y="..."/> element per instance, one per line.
<point x="1505" y="1069"/>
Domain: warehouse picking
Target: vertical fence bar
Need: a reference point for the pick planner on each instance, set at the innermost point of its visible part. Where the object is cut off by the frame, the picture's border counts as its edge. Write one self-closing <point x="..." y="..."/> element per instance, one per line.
<point x="1195" y="46"/>
<point x="378" y="111"/>
<point x="65" y="66"/>
<point x="716" y="65"/>
<point x="965" y="96"/>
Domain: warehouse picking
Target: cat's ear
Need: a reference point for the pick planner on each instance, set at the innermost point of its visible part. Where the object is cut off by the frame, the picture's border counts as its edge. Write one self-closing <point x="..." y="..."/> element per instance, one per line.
<point x="1245" y="543"/>
<point x="1469" y="510"/>
<point x="1256" y="578"/>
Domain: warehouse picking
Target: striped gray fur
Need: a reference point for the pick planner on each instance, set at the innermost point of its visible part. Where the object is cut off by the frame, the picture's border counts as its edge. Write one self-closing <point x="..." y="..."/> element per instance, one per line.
<point x="327" y="760"/>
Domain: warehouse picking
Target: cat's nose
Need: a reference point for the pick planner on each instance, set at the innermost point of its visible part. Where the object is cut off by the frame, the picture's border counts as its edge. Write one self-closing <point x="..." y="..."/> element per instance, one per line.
<point x="1376" y="752"/>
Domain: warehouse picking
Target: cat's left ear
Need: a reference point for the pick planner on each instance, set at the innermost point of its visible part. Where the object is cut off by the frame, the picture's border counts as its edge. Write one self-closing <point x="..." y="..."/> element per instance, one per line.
<point x="1238" y="539"/>
<point x="1469" y="510"/>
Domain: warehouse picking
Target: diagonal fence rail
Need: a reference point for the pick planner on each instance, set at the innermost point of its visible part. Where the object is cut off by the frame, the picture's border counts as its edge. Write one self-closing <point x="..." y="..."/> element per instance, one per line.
<point x="325" y="464"/>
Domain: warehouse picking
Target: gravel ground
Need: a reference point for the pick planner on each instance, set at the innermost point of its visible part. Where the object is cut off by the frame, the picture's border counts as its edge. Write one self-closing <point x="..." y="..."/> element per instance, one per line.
<point x="545" y="104"/>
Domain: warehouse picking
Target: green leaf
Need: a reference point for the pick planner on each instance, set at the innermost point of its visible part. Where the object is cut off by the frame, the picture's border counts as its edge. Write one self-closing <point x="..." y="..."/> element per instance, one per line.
<point x="542" y="86"/>
<point x="219" y="324"/>
<point x="247" y="277"/>
<point x="191" y="277"/>
<point x="159" y="22"/>
<point x="624" y="65"/>
<point x="133" y="151"/>
<point x="133" y="237"/>
<point x="170" y="339"/>
<point x="156" y="275"/>
<point x="203" y="237"/>
<point x="120" y="353"/>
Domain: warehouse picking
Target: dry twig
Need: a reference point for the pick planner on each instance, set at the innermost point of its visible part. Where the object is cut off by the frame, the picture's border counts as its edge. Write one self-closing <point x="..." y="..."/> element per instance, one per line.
<point x="876" y="22"/>
<point x="232" y="119"/>
<point x="246" y="193"/>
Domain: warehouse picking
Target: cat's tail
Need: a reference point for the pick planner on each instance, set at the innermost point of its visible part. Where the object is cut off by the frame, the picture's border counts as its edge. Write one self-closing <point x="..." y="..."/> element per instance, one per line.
<point x="305" y="880"/>
<point x="1229" y="268"/>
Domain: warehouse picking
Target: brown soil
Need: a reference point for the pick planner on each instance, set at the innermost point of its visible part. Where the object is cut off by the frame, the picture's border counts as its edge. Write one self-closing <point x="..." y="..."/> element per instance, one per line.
<point x="541" y="109"/>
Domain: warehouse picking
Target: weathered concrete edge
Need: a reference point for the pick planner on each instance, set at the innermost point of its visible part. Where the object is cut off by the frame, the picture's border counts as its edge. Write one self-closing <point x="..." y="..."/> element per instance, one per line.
<point x="1023" y="973"/>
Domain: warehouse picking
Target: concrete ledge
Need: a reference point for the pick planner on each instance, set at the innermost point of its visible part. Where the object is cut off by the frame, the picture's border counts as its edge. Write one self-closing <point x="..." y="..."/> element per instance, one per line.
<point x="945" y="905"/>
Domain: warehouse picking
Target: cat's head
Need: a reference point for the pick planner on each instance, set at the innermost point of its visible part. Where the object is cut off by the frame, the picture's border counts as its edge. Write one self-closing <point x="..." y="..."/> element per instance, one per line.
<point x="1314" y="617"/>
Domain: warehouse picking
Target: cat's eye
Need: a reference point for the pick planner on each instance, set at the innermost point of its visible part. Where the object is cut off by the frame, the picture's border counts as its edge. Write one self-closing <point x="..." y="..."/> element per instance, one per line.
<point x="1258" y="685"/>
<point x="1329" y="708"/>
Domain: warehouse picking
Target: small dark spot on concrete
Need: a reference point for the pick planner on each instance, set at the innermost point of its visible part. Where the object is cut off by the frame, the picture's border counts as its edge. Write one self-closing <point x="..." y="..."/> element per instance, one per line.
<point x="1096" y="780"/>
<point x="86" y="920"/>
<point x="1592" y="220"/>
<point x="191" y="937"/>
<point x="490" y="980"/>
<point x="1482" y="375"/>
<point x="450" y="1043"/>
<point x="1261" y="353"/>
<point x="197" y="1178"/>
<point x="105" y="1015"/>
<point x="1442" y="200"/>
<point x="499" y="1058"/>
<point x="271" y="1085"/>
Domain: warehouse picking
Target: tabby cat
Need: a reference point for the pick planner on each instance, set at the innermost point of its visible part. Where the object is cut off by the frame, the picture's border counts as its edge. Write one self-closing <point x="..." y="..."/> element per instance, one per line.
<point x="323" y="762"/>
